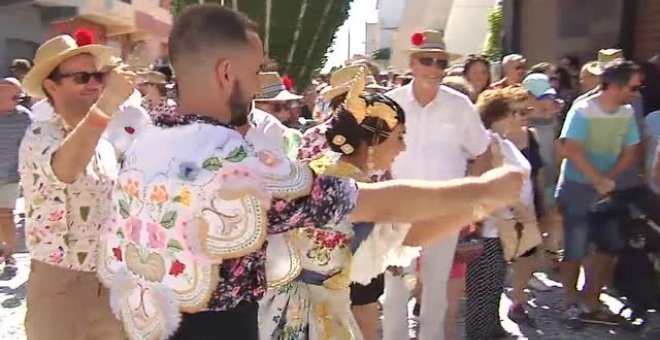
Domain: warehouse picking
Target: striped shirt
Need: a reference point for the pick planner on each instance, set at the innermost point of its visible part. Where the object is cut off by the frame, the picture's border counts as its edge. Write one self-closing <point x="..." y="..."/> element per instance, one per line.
<point x="12" y="129"/>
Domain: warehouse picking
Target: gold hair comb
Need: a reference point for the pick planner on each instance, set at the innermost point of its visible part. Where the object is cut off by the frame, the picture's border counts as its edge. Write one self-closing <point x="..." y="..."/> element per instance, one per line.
<point x="359" y="108"/>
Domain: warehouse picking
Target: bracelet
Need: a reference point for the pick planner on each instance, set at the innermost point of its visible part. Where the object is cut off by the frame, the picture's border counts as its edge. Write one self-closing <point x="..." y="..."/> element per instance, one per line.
<point x="97" y="118"/>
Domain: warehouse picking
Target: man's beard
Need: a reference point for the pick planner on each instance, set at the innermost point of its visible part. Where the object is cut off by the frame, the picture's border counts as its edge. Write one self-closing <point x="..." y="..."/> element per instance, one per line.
<point x="239" y="107"/>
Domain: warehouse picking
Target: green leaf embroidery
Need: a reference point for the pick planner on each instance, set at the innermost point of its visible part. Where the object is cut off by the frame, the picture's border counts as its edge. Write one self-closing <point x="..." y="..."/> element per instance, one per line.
<point x="35" y="178"/>
<point x="169" y="219"/>
<point x="124" y="208"/>
<point x="174" y="244"/>
<point x="82" y="257"/>
<point x="36" y="131"/>
<point x="212" y="164"/>
<point x="66" y="240"/>
<point x="84" y="213"/>
<point x="237" y="155"/>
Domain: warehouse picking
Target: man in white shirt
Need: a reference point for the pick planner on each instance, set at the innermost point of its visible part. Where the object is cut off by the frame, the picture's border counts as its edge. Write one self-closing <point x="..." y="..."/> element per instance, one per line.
<point x="443" y="132"/>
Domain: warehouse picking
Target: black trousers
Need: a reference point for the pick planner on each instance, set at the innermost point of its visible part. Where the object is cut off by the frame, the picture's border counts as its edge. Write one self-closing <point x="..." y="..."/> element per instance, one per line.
<point x="240" y="323"/>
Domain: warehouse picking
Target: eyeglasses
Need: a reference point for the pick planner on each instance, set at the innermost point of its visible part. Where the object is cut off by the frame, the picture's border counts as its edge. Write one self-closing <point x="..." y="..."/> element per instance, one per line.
<point x="82" y="78"/>
<point x="441" y="64"/>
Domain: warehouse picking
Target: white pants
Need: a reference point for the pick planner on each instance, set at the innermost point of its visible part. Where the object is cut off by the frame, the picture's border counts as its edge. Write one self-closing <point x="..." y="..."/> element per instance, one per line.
<point x="437" y="260"/>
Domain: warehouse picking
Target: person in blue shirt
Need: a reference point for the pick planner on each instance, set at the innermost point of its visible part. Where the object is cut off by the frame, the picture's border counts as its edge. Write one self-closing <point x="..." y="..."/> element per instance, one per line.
<point x="600" y="139"/>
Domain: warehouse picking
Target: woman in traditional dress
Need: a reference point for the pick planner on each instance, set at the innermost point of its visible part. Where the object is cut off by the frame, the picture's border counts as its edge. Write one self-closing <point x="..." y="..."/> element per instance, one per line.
<point x="310" y="270"/>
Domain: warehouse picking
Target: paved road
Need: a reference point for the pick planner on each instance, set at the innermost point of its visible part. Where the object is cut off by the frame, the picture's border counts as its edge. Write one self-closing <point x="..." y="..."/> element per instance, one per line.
<point x="545" y="308"/>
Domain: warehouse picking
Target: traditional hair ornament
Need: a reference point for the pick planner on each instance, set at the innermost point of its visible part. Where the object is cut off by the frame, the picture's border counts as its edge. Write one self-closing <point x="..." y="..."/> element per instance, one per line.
<point x="417" y="39"/>
<point x="359" y="107"/>
<point x="84" y="37"/>
<point x="340" y="141"/>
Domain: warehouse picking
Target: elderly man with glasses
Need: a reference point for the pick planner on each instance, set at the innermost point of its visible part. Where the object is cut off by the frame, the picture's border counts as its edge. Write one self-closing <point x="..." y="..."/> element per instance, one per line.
<point x="443" y="132"/>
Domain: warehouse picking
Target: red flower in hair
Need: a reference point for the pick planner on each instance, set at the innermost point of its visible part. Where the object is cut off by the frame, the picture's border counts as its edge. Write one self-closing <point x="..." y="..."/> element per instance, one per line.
<point x="84" y="37"/>
<point x="417" y="39"/>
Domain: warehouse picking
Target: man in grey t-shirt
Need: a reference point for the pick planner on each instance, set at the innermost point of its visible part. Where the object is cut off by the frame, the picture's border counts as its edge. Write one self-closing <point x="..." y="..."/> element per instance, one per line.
<point x="14" y="120"/>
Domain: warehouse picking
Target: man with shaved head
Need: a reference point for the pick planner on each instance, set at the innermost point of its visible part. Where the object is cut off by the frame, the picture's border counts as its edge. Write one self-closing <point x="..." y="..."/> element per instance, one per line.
<point x="185" y="257"/>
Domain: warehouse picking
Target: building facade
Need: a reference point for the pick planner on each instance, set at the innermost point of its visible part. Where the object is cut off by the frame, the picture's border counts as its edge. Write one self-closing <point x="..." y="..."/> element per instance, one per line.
<point x="25" y="24"/>
<point x="546" y="30"/>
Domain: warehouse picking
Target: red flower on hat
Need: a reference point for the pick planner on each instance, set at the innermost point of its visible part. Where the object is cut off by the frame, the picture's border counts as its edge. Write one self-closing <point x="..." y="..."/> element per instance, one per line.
<point x="417" y="39"/>
<point x="84" y="37"/>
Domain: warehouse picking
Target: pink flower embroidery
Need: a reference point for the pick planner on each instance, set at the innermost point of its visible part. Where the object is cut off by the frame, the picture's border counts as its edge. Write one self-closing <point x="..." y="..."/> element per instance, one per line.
<point x="295" y="218"/>
<point x="157" y="236"/>
<point x="317" y="193"/>
<point x="57" y="257"/>
<point x="56" y="215"/>
<point x="132" y="229"/>
<point x="268" y="158"/>
<point x="279" y="206"/>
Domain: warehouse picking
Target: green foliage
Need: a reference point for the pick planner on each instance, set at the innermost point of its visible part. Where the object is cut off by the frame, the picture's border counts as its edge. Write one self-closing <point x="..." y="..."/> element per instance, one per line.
<point x="493" y="46"/>
<point x="382" y="54"/>
<point x="316" y="35"/>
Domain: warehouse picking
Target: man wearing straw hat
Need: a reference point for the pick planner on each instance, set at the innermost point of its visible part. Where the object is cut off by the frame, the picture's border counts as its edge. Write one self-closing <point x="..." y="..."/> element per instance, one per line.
<point x="443" y="131"/>
<point x="68" y="174"/>
<point x="263" y="130"/>
<point x="595" y="69"/>
<point x="152" y="85"/>
<point x="276" y="101"/>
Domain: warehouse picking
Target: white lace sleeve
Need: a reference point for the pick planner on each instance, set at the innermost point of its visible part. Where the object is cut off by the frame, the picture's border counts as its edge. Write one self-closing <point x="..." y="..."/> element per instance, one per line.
<point x="382" y="248"/>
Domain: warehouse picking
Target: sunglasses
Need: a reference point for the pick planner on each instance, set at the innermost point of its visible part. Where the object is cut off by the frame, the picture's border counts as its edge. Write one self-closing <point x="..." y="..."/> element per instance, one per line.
<point x="440" y="64"/>
<point x="82" y="78"/>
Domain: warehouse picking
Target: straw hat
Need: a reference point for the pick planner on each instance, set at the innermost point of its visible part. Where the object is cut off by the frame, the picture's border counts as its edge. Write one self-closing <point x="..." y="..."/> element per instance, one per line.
<point x="604" y="56"/>
<point x="273" y="89"/>
<point x="431" y="41"/>
<point x="340" y="81"/>
<point x="55" y="51"/>
<point x="152" y="77"/>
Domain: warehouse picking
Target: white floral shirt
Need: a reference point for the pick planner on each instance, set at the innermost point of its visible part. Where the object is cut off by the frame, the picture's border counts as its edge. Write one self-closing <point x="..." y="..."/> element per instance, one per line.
<point x="64" y="220"/>
<point x="194" y="204"/>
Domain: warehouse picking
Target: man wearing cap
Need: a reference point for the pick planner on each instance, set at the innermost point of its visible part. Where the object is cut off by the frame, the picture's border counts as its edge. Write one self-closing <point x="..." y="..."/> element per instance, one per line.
<point x="68" y="174"/>
<point x="514" y="67"/>
<point x="14" y="120"/>
<point x="544" y="118"/>
<point x="443" y="132"/>
<point x="600" y="139"/>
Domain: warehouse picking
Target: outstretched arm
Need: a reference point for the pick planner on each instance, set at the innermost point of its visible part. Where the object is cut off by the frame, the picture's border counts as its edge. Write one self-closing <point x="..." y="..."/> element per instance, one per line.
<point x="412" y="200"/>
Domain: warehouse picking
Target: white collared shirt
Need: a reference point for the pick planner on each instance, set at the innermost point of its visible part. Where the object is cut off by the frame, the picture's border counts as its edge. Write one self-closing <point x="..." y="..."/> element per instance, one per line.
<point x="440" y="137"/>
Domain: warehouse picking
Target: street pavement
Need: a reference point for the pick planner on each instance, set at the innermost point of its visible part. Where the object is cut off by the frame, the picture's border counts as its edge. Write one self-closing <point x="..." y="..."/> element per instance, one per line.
<point x="545" y="309"/>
